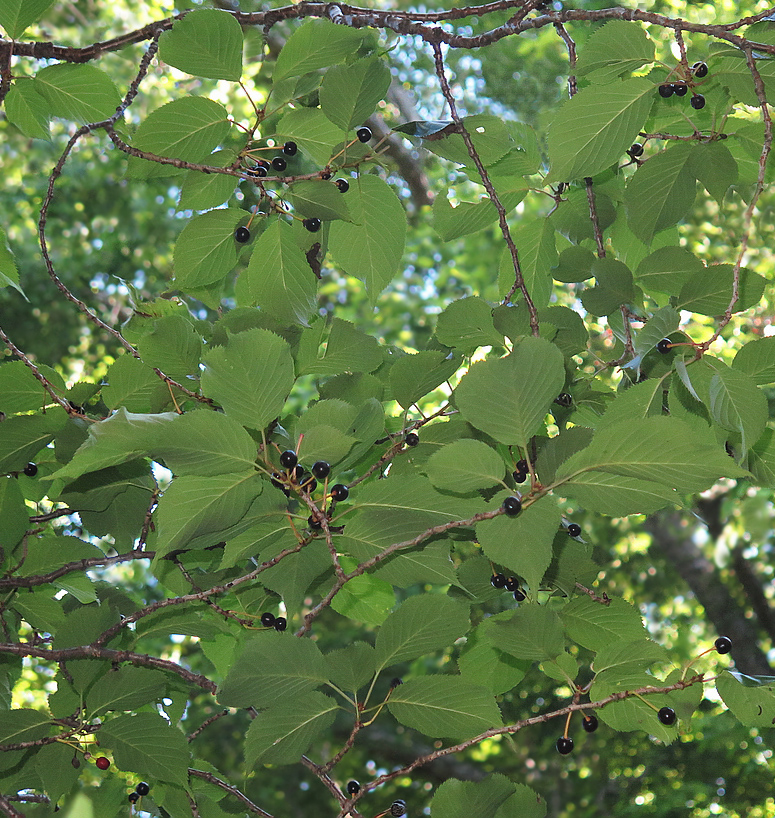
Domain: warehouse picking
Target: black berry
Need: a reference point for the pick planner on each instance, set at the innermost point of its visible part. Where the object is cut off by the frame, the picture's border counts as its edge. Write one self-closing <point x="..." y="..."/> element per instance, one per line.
<point x="313" y="522"/>
<point x="353" y="787"/>
<point x="412" y="439"/>
<point x="519" y="476"/>
<point x="512" y="506"/>
<point x="511" y="584"/>
<point x="679" y="89"/>
<point x="574" y="529"/>
<point x="258" y="170"/>
<point x="364" y="135"/>
<point x="267" y="619"/>
<point x="133" y="797"/>
<point x="325" y="175"/>
<point x="102" y="763"/>
<point x="521" y="465"/>
<point x="241" y="235"/>
<point x="397" y="808"/>
<point x="288" y="459"/>
<point x="666" y="715"/>
<point x="664" y="346"/>
<point x="564" y="745"/>
<point x="313" y="225"/>
<point x="590" y="723"/>
<point x="700" y="69"/>
<point x="298" y="473"/>
<point x="290" y="148"/>
<point x="339" y="492"/>
<point x="142" y="788"/>
<point x="278" y="163"/>
<point x="343" y="185"/>
<point x="30" y="470"/>
<point x="308" y="484"/>
<point x="395" y="682"/>
<point x="666" y="90"/>
<point x="697" y="102"/>
<point x="723" y="644"/>
<point x="519" y="595"/>
<point x="636" y="150"/>
<point x="281" y="623"/>
<point x="321" y="469"/>
<point x="498" y="581"/>
<point x="563" y="399"/>
<point x="75" y="762"/>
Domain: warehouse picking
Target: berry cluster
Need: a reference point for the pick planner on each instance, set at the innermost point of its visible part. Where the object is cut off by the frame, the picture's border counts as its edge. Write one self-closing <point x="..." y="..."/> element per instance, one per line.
<point x="140" y="790"/>
<point x="511" y="585"/>
<point x="521" y="471"/>
<point x="269" y="620"/>
<point x="698" y="71"/>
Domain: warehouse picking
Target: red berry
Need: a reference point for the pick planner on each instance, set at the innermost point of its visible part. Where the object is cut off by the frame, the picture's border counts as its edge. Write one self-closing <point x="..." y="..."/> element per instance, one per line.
<point x="102" y="763"/>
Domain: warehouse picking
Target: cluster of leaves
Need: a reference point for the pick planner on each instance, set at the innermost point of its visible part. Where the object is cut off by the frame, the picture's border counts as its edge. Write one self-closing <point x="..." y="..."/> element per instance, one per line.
<point x="174" y="458"/>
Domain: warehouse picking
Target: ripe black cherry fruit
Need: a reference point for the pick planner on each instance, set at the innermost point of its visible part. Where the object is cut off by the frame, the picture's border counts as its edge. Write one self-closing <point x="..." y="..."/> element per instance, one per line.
<point x="290" y="148"/>
<point x="574" y="529"/>
<point x="498" y="581"/>
<point x="278" y="163"/>
<point x="133" y="797"/>
<point x="697" y="102"/>
<point x="363" y="134"/>
<point x="512" y="506"/>
<point x="700" y="69"/>
<point x="519" y="476"/>
<point x="30" y="470"/>
<point x="343" y="185"/>
<point x="723" y="644"/>
<point x="288" y="459"/>
<point x="590" y="723"/>
<point x="102" y="763"/>
<point x="664" y="346"/>
<point x="563" y="399"/>
<point x="412" y="439"/>
<point x="242" y="235"/>
<point x="564" y="745"/>
<point x="519" y="595"/>
<point x="321" y="469"/>
<point x="353" y="787"/>
<point x="267" y="619"/>
<point x="679" y="89"/>
<point x="511" y="584"/>
<point x="142" y="788"/>
<point x="313" y="522"/>
<point x="281" y="623"/>
<point x="636" y="150"/>
<point x="398" y="808"/>
<point x="339" y="492"/>
<point x="313" y="225"/>
<point x="666" y="715"/>
<point x="666" y="90"/>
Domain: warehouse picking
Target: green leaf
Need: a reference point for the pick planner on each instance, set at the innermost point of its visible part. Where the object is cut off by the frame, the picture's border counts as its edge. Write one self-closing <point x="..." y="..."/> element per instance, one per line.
<point x="444" y="706"/>
<point x="14" y="516"/>
<point x="594" y="128"/>
<point x="574" y="264"/>
<point x="350" y="93"/>
<point x="188" y="128"/>
<point x="144" y="743"/>
<point x="372" y="250"/>
<point x="250" y="376"/>
<point x="316" y="44"/>
<point x="617" y="48"/>
<point x="205" y="43"/>
<point x="613" y="288"/>
<point x="467" y="324"/>
<point x="462" y="799"/>
<point x="532" y="632"/>
<point x="750" y="698"/>
<point x="756" y="359"/>
<point x="523" y="544"/>
<point x="535" y="244"/>
<point x="81" y="92"/>
<point x="660" y="192"/>
<point x="525" y="802"/>
<point x="420" y="625"/>
<point x="282" y="734"/>
<point x="319" y="199"/>
<point x="414" y="376"/>
<point x="365" y="598"/>
<point x="488" y="133"/>
<point x="18" y="15"/>
<point x="201" y="191"/>
<point x="736" y="403"/>
<point x="272" y="667"/>
<point x="662" y="449"/>
<point x="22" y="437"/>
<point x="468" y="217"/>
<point x="709" y="291"/>
<point x="21" y="390"/>
<point x="173" y="345"/>
<point x="314" y="133"/>
<point x="508" y="398"/>
<point x="714" y="167"/>
<point x="667" y="269"/>
<point x="279" y="278"/>
<point x="9" y="273"/>
<point x="618" y="496"/>
<point x="206" y="250"/>
<point x="133" y="385"/>
<point x="28" y="110"/>
<point x="24" y="724"/>
<point x="53" y="764"/>
<point x="660" y="325"/>
<point x="352" y="667"/>
<point x="125" y="688"/>
<point x="465" y="465"/>
<point x="204" y="442"/>
<point x="628" y="656"/>
<point x="485" y="665"/>
<point x="594" y="625"/>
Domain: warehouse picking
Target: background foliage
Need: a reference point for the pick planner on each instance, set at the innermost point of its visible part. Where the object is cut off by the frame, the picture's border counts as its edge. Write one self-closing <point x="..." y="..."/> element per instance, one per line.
<point x="546" y="279"/>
